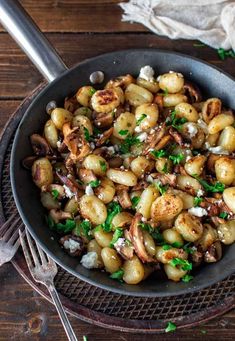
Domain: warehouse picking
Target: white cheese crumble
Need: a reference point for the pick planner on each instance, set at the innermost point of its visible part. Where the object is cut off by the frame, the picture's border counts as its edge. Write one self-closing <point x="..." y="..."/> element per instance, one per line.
<point x="200" y="193"/>
<point x="207" y="145"/>
<point x="138" y="129"/>
<point x="89" y="190"/>
<point x="92" y="145"/>
<point x="142" y="137"/>
<point x="90" y="260"/>
<point x="68" y="193"/>
<point x="111" y="150"/>
<point x="178" y="73"/>
<point x="119" y="244"/>
<point x="203" y="125"/>
<point x="192" y="129"/>
<point x="197" y="211"/>
<point x="72" y="245"/>
<point x="218" y="150"/>
<point x="147" y="73"/>
<point x="116" y="148"/>
<point x="58" y="143"/>
<point x="149" y="179"/>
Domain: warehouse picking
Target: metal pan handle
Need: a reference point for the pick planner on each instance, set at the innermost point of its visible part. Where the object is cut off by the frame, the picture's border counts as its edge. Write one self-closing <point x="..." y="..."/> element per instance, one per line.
<point x="26" y="33"/>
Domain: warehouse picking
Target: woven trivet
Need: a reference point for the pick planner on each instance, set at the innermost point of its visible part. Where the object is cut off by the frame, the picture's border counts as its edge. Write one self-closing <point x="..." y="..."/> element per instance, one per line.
<point x="101" y="307"/>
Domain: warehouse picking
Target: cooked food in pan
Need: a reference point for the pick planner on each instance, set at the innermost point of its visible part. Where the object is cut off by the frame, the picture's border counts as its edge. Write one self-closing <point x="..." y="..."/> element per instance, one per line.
<point x="139" y="176"/>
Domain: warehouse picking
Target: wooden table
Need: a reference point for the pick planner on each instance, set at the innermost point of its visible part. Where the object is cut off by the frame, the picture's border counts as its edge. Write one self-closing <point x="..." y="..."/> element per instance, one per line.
<point x="78" y="29"/>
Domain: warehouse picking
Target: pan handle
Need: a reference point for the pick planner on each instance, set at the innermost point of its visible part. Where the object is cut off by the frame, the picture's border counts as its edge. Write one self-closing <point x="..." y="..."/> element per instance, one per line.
<point x="26" y="33"/>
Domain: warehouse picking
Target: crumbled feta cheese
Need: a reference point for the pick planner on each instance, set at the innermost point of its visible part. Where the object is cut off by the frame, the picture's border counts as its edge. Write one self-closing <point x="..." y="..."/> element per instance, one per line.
<point x="92" y="145"/>
<point x="58" y="143"/>
<point x="178" y="73"/>
<point x="119" y="244"/>
<point x="138" y="129"/>
<point x="142" y="137"/>
<point x="197" y="211"/>
<point x="90" y="260"/>
<point x="116" y="148"/>
<point x="147" y="73"/>
<point x="111" y="150"/>
<point x="207" y="145"/>
<point x="71" y="245"/>
<point x="89" y="190"/>
<point x="218" y="150"/>
<point x="68" y="193"/>
<point x="188" y="154"/>
<point x="152" y="131"/>
<point x="192" y="129"/>
<point x="149" y="179"/>
<point x="203" y="125"/>
<point x="200" y="193"/>
<point x="143" y="219"/>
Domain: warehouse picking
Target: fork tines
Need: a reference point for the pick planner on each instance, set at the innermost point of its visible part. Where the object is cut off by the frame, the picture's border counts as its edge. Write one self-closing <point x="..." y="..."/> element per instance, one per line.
<point x="9" y="230"/>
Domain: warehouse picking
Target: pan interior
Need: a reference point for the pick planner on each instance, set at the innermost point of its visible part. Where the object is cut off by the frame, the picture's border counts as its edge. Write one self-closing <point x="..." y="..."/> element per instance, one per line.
<point x="213" y="83"/>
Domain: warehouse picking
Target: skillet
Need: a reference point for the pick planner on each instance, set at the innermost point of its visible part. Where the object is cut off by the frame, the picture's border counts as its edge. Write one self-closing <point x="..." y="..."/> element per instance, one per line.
<point x="63" y="82"/>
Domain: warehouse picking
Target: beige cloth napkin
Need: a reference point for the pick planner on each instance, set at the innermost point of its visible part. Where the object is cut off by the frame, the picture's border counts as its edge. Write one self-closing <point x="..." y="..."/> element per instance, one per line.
<point x="210" y="21"/>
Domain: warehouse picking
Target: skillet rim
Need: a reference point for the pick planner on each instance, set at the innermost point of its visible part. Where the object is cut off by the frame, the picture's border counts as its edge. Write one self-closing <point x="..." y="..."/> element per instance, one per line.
<point x="219" y="277"/>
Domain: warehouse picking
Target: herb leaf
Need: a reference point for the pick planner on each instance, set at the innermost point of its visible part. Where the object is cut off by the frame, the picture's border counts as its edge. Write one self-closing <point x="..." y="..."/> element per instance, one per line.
<point x="223" y="54"/>
<point x="65" y="227"/>
<point x="118" y="275"/>
<point x="142" y="117"/>
<point x="177" y="244"/>
<point x="188" y="248"/>
<point x="113" y="209"/>
<point x="223" y="215"/>
<point x="170" y="327"/>
<point x="92" y="91"/>
<point x="166" y="247"/>
<point x="184" y="264"/>
<point x="217" y="187"/>
<point x="118" y="233"/>
<point x="84" y="229"/>
<point x="162" y="189"/>
<point x="128" y="142"/>
<point x="153" y="231"/>
<point x="165" y="168"/>
<point x="55" y="193"/>
<point x="158" y="153"/>
<point x="94" y="183"/>
<point x="86" y="134"/>
<point x="187" y="278"/>
<point x="176" y="159"/>
<point x="175" y="122"/>
<point x="123" y="132"/>
<point x="103" y="166"/>
<point x="135" y="201"/>
<point x="197" y="201"/>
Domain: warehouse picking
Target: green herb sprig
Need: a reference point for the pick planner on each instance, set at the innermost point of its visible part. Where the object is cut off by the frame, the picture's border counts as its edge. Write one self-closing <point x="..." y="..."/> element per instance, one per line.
<point x="118" y="233"/>
<point x="118" y="275"/>
<point x="184" y="264"/>
<point x="171" y="327"/>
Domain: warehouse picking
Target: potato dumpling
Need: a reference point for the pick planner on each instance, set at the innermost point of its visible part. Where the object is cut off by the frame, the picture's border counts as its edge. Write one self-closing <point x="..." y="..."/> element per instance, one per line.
<point x="146" y="116"/>
<point x="136" y="95"/>
<point x="122" y="177"/>
<point x="209" y="236"/>
<point x="229" y="198"/>
<point x="124" y="125"/>
<point x="172" y="236"/>
<point x="171" y="100"/>
<point x="84" y="95"/>
<point x="225" y="170"/>
<point x="149" y="85"/>
<point x="60" y="116"/>
<point x="42" y="172"/>
<point x="195" y="165"/>
<point x="226" y="232"/>
<point x="122" y="219"/>
<point x="172" y="82"/>
<point x="133" y="271"/>
<point x="112" y="261"/>
<point x="106" y="100"/>
<point x="140" y="165"/>
<point x="220" y="122"/>
<point x="96" y="163"/>
<point x="189" y="226"/>
<point x="93" y="246"/>
<point x="83" y="122"/>
<point x="103" y="238"/>
<point x="166" y="207"/>
<point x="187" y="111"/>
<point x="105" y="191"/>
<point x="174" y="273"/>
<point x="227" y="139"/>
<point x="51" y="133"/>
<point x="146" y="199"/>
<point x="93" y="209"/>
<point x="165" y="256"/>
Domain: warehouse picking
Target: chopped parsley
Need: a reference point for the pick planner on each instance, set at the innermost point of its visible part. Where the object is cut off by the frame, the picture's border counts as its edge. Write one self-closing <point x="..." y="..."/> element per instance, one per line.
<point x="158" y="153"/>
<point x="128" y="142"/>
<point x="87" y="134"/>
<point x="215" y="188"/>
<point x="118" y="275"/>
<point x="165" y="92"/>
<point x="171" y="327"/>
<point x="118" y="233"/>
<point x="142" y="117"/>
<point x="123" y="132"/>
<point x="96" y="131"/>
<point x="103" y="166"/>
<point x="135" y="201"/>
<point x="154" y="232"/>
<point x="113" y="209"/>
<point x="165" y="168"/>
<point x="166" y="247"/>
<point x="223" y="215"/>
<point x="162" y="189"/>
<point x="83" y="229"/>
<point x="175" y="122"/>
<point x="184" y="264"/>
<point x="177" y="244"/>
<point x="176" y="159"/>
<point x="197" y="201"/>
<point x="188" y="248"/>
<point x="55" y="193"/>
<point x="223" y="54"/>
<point x="92" y="91"/>
<point x="62" y="228"/>
<point x="94" y="183"/>
<point x="187" y="278"/>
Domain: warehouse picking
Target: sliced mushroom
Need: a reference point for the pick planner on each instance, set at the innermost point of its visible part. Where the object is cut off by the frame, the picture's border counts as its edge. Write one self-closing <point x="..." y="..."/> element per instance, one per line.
<point x="121" y="81"/>
<point x="123" y="196"/>
<point x="210" y="109"/>
<point x="104" y="137"/>
<point x="40" y="145"/>
<point x="176" y="136"/>
<point x="141" y="185"/>
<point x="115" y="162"/>
<point x="73" y="245"/>
<point x="125" y="249"/>
<point x="138" y="240"/>
<point x="165" y="179"/>
<point x="214" y="253"/>
<point x="71" y="104"/>
<point x="71" y="183"/>
<point x="58" y="215"/>
<point x="76" y="143"/>
<point x="193" y="92"/>
<point x="196" y="257"/>
<point x="103" y="120"/>
<point x="86" y="175"/>
<point x="154" y="139"/>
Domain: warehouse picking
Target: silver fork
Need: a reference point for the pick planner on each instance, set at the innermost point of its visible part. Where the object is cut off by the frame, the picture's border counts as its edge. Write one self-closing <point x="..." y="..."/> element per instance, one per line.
<point x="43" y="271"/>
<point x="9" y="238"/>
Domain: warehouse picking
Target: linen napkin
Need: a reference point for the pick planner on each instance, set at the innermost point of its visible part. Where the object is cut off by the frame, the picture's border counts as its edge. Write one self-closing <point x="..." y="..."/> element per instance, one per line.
<point x="210" y="21"/>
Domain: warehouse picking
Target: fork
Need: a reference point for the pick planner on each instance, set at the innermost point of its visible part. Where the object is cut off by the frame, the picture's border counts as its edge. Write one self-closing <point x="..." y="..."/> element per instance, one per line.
<point x="9" y="238"/>
<point x="43" y="271"/>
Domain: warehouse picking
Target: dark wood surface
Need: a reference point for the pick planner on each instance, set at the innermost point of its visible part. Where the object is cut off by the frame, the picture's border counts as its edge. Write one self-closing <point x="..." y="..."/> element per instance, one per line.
<point x="78" y="29"/>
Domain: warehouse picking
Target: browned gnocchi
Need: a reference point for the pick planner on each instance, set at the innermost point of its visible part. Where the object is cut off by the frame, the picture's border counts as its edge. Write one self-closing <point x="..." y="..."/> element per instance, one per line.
<point x="139" y="173"/>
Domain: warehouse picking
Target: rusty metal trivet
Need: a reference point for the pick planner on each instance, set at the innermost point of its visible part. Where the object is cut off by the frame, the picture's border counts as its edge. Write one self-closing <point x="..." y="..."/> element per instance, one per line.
<point x="101" y="307"/>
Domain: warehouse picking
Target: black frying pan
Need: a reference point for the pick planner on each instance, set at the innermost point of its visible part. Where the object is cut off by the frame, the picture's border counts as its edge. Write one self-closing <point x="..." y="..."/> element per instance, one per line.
<point x="62" y="82"/>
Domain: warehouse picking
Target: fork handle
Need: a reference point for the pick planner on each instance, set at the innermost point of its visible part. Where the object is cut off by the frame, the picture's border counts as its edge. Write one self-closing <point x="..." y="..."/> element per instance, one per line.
<point x="63" y="317"/>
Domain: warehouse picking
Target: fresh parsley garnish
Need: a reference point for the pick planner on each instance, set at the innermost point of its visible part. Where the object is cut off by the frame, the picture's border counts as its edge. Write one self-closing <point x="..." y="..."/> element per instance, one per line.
<point x="118" y="233"/>
<point x="176" y="159"/>
<point x="223" y="215"/>
<point x="184" y="264"/>
<point x="127" y="143"/>
<point x="175" y="122"/>
<point x="94" y="183"/>
<point x="123" y="132"/>
<point x="162" y="189"/>
<point x="165" y="168"/>
<point x="87" y="134"/>
<point x="158" y="153"/>
<point x="177" y="244"/>
<point x="188" y="248"/>
<point x="62" y="228"/>
<point x="142" y="117"/>
<point x="223" y="54"/>
<point x="154" y="232"/>
<point x="171" y="327"/>
<point x="103" y="166"/>
<point x="92" y="91"/>
<point x="113" y="209"/>
<point x="55" y="193"/>
<point x="213" y="188"/>
<point x="187" y="278"/>
<point x="83" y="229"/>
<point x="135" y="201"/>
<point x="96" y="131"/>
<point x="197" y="201"/>
<point x="118" y="275"/>
<point x="166" y="247"/>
